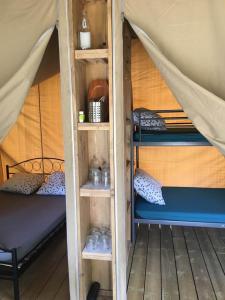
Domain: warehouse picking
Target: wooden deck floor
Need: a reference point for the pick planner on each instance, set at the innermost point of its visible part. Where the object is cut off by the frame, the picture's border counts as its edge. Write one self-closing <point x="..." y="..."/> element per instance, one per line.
<point x="179" y="263"/>
<point x="46" y="278"/>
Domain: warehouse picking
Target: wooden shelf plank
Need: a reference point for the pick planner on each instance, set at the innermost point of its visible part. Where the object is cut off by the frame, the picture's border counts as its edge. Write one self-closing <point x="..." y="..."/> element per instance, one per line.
<point x="93" y="126"/>
<point x="105" y="294"/>
<point x="89" y="190"/>
<point x="97" y="256"/>
<point x="92" y="55"/>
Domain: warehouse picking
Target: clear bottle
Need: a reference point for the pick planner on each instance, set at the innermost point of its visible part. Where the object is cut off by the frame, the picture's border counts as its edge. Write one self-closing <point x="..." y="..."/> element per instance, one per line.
<point x="94" y="168"/>
<point x="84" y="32"/>
<point x="105" y="174"/>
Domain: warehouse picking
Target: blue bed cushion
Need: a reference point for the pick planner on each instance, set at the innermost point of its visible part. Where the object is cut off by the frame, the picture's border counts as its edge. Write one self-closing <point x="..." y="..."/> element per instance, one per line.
<point x="185" y="204"/>
<point x="169" y="137"/>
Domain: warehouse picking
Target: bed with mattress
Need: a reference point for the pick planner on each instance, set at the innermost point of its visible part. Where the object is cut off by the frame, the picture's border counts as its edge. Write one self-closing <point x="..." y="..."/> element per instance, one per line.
<point x="185" y="206"/>
<point x="28" y="222"/>
<point x="200" y="206"/>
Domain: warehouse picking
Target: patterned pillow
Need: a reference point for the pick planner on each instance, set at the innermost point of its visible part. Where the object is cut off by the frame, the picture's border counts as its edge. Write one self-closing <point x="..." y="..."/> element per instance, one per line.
<point x="149" y="120"/>
<point x="55" y="185"/>
<point x="148" y="188"/>
<point x="23" y="183"/>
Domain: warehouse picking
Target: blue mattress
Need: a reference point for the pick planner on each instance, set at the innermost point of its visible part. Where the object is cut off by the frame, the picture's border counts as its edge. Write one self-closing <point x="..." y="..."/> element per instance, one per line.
<point x="166" y="136"/>
<point x="185" y="204"/>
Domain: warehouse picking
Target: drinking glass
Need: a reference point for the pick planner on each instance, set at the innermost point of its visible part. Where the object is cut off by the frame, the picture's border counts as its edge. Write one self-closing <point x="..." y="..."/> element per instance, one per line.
<point x="91" y="244"/>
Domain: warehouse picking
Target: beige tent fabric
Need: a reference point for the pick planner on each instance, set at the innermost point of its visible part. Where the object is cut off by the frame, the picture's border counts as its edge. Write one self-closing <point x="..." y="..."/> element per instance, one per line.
<point x="186" y="40"/>
<point x="25" y="29"/>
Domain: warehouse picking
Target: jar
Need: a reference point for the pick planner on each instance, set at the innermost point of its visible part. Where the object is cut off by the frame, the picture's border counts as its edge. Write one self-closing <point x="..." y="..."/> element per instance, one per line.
<point x="106" y="177"/>
<point x="96" y="176"/>
<point x="94" y="165"/>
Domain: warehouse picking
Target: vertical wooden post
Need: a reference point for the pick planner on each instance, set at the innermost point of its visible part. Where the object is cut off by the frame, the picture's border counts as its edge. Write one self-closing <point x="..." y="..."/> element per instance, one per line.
<point x="119" y="152"/>
<point x="67" y="99"/>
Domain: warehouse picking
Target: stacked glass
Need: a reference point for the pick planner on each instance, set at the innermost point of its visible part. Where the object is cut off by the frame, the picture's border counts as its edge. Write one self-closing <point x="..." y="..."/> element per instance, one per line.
<point x="99" y="240"/>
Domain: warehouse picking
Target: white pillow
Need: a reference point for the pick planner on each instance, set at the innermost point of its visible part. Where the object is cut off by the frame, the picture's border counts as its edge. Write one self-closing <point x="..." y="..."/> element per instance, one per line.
<point x="55" y="185"/>
<point x="148" y="188"/>
<point x="23" y="183"/>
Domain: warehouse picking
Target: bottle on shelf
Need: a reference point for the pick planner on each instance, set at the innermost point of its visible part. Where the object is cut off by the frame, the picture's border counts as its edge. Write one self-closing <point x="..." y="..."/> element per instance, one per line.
<point x="81" y="116"/>
<point x="84" y="32"/>
<point x="105" y="174"/>
<point x="94" y="171"/>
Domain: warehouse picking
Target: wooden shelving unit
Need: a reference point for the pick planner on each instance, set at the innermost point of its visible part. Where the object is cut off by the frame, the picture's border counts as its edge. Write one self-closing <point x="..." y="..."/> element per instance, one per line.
<point x="95" y="204"/>
<point x="89" y="206"/>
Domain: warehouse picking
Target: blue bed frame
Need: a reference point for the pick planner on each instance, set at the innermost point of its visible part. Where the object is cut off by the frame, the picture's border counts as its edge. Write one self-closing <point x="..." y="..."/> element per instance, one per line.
<point x="176" y="124"/>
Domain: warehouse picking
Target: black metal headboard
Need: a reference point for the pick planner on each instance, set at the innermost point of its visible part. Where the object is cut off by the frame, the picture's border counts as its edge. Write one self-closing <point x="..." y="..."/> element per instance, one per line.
<point x="39" y="165"/>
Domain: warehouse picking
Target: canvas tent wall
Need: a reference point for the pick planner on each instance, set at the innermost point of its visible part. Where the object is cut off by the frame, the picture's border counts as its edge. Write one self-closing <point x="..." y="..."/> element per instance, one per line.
<point x="25" y="29"/>
<point x="186" y="42"/>
<point x="38" y="129"/>
<point x="187" y="166"/>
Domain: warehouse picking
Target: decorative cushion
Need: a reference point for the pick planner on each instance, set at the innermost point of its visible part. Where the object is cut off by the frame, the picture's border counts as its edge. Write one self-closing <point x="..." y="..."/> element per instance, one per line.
<point x="149" y="120"/>
<point x="148" y="187"/>
<point x="23" y="183"/>
<point x="55" y="185"/>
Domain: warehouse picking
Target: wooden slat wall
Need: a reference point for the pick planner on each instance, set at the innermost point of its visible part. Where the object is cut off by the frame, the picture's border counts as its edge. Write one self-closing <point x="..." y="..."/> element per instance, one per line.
<point x="180" y="166"/>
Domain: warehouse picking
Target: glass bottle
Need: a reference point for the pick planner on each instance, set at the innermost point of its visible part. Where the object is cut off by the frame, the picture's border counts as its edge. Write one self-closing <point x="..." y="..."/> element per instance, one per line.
<point x="84" y="32"/>
<point x="94" y="168"/>
<point x="105" y="174"/>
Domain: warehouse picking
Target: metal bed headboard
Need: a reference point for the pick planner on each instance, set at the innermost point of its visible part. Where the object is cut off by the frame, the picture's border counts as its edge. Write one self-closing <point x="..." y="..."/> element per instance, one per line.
<point x="39" y="165"/>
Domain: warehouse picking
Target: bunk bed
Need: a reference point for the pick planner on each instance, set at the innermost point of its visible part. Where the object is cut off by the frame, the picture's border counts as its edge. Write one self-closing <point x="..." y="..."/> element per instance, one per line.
<point x="186" y="206"/>
<point x="28" y="222"/>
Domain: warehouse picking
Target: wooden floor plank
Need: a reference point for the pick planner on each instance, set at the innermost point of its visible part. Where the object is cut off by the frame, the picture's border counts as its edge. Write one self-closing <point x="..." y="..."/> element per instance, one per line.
<point x="63" y="292"/>
<point x="51" y="288"/>
<point x="37" y="275"/>
<point x="202" y="280"/>
<point x="214" y="268"/>
<point x="217" y="241"/>
<point x="190" y="265"/>
<point x="138" y="269"/>
<point x="184" y="272"/>
<point x="170" y="288"/>
<point x="153" y="269"/>
<point x="218" y="244"/>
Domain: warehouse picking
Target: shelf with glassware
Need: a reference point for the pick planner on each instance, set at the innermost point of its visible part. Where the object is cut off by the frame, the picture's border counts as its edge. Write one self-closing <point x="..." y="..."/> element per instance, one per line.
<point x="98" y="245"/>
<point x="93" y="31"/>
<point x="98" y="184"/>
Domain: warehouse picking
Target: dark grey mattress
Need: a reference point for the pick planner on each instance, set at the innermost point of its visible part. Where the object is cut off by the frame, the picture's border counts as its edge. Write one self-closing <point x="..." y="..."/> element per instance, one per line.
<point x="25" y="220"/>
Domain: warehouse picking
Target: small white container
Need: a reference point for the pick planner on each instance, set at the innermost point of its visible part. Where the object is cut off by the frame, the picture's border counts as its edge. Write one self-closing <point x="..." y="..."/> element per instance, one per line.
<point x="85" y="40"/>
